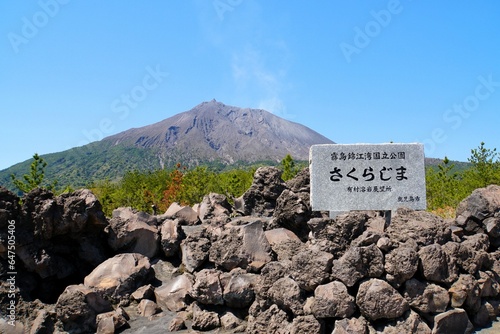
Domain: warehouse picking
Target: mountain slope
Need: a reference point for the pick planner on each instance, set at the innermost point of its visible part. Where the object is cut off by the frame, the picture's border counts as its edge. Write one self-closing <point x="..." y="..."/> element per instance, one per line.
<point x="210" y="133"/>
<point x="213" y="131"/>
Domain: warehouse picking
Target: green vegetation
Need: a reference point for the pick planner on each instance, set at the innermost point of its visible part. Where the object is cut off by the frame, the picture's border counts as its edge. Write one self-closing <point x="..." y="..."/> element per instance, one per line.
<point x="35" y="177"/>
<point x="447" y="183"/>
<point x="142" y="190"/>
<point x="105" y="160"/>
<point x="485" y="167"/>
<point x="80" y="166"/>
<point x="289" y="168"/>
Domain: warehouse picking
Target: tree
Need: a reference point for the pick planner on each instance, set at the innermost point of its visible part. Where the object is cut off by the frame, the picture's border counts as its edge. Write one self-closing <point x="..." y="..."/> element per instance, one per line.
<point x="443" y="186"/>
<point x="35" y="177"/>
<point x="105" y="191"/>
<point x="289" y="169"/>
<point x="173" y="191"/>
<point x="485" y="164"/>
<point x="446" y="186"/>
<point x="196" y="184"/>
<point x="485" y="169"/>
<point x="234" y="183"/>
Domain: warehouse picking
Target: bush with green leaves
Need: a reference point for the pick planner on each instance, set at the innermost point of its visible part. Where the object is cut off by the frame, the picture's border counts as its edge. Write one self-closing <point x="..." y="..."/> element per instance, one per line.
<point x="446" y="186"/>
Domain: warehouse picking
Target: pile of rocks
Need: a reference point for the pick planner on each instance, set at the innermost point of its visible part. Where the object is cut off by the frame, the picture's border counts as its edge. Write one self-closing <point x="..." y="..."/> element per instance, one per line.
<point x="266" y="264"/>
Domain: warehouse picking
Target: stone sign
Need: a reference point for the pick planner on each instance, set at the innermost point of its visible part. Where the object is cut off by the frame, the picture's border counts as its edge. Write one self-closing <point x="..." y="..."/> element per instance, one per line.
<point x="348" y="177"/>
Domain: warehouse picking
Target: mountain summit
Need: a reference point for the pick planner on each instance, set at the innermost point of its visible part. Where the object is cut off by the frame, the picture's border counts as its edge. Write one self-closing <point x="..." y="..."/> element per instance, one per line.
<point x="210" y="133"/>
<point x="213" y="131"/>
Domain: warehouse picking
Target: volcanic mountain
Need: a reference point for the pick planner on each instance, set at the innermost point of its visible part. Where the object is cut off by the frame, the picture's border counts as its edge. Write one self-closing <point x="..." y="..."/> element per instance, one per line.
<point x="210" y="133"/>
<point x="213" y="131"/>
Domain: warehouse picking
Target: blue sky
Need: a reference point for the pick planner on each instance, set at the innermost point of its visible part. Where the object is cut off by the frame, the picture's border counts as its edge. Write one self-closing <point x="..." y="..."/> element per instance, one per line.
<point x="373" y="71"/>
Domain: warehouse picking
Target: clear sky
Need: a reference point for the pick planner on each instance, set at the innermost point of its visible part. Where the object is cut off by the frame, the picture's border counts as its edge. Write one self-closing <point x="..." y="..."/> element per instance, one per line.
<point x="355" y="71"/>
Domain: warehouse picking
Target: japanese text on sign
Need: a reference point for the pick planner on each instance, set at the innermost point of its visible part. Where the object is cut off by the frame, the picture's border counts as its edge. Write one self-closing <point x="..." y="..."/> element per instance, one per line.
<point x="384" y="174"/>
<point x="367" y="177"/>
<point x="368" y="155"/>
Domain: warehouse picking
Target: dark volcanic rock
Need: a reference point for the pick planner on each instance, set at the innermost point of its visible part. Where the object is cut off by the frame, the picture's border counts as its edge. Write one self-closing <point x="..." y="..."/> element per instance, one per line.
<point x="469" y="256"/>
<point x="185" y="215"/>
<point x="335" y="235"/>
<point x="112" y="322"/>
<point x="229" y="321"/>
<point x="293" y="212"/>
<point x="194" y="252"/>
<point x="272" y="320"/>
<point x="204" y="320"/>
<point x="465" y="293"/>
<point x="377" y="299"/>
<point x="489" y="284"/>
<point x="332" y="301"/>
<point x="214" y="209"/>
<point x="242" y="244"/>
<point x="358" y="263"/>
<point x="133" y="232"/>
<point x="120" y="275"/>
<point x="311" y="268"/>
<point x="58" y="238"/>
<point x="426" y="298"/>
<point x="410" y="322"/>
<point x="452" y="321"/>
<point x="436" y="265"/>
<point x="351" y="274"/>
<point x="260" y="199"/>
<point x="9" y="207"/>
<point x="293" y="206"/>
<point x="239" y="288"/>
<point x="420" y="226"/>
<point x="481" y="204"/>
<point x="307" y="324"/>
<point x="68" y="214"/>
<point x="173" y="295"/>
<point x="400" y="265"/>
<point x="350" y="326"/>
<point x="492" y="226"/>
<point x="301" y="183"/>
<point x="284" y="243"/>
<point x="171" y="237"/>
<point x="269" y="275"/>
<point x="287" y="294"/>
<point x="207" y="288"/>
<point x="77" y="308"/>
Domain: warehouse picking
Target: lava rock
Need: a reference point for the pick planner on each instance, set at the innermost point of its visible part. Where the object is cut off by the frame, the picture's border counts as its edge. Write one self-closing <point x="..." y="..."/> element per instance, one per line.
<point x="332" y="300"/>
<point x="120" y="275"/>
<point x="377" y="299"/>
<point x="358" y="263"/>
<point x="311" y="268"/>
<point x="133" y="232"/>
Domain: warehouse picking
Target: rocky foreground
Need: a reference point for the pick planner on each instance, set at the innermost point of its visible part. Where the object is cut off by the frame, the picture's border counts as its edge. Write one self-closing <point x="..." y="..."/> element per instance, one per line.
<point x="268" y="264"/>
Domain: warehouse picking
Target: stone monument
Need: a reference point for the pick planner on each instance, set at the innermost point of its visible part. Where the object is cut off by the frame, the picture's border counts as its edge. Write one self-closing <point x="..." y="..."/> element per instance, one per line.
<point x="381" y="177"/>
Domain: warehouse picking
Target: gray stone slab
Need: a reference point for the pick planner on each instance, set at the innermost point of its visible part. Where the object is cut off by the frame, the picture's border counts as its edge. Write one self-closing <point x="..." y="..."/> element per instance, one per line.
<point x="348" y="177"/>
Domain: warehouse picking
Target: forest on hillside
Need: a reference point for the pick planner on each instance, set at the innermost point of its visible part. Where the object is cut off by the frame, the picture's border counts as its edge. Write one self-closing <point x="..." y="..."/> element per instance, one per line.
<point x="447" y="185"/>
<point x="146" y="191"/>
